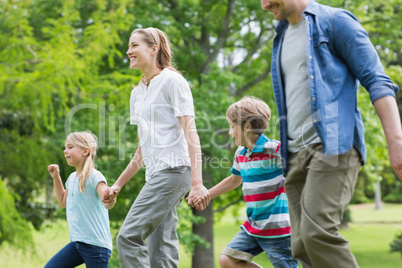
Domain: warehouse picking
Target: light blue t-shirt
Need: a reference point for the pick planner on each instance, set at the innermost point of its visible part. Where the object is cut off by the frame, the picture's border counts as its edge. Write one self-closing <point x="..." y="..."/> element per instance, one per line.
<point x="87" y="218"/>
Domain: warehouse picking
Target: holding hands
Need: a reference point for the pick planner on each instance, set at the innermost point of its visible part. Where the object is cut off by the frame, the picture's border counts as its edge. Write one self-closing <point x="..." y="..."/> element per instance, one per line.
<point x="110" y="194"/>
<point x="199" y="197"/>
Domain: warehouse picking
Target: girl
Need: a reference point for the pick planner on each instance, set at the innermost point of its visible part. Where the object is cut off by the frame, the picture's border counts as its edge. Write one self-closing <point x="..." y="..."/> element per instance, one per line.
<point x="162" y="108"/>
<point x="87" y="217"/>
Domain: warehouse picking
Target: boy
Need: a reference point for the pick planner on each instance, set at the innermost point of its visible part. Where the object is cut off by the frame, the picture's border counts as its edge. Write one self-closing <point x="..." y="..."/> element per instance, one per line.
<point x="257" y="165"/>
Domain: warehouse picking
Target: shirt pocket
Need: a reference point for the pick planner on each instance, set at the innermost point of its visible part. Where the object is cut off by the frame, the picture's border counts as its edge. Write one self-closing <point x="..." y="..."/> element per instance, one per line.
<point x="322" y="53"/>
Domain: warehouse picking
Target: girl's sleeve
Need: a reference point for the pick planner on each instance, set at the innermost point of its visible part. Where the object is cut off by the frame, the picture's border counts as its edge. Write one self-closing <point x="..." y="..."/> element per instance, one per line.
<point x="97" y="178"/>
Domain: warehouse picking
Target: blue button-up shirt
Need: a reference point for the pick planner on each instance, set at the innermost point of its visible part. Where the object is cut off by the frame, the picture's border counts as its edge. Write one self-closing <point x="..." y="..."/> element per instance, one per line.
<point x="339" y="54"/>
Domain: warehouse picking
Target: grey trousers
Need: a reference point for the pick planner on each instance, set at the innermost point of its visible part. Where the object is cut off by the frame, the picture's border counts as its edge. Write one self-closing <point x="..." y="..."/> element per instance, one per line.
<point x="319" y="189"/>
<point x="153" y="217"/>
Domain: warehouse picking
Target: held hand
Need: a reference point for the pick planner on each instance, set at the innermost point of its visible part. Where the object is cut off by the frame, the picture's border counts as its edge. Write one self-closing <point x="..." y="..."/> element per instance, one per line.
<point x="108" y="202"/>
<point x="105" y="196"/>
<point x="199" y="197"/>
<point x="54" y="170"/>
<point x="193" y="200"/>
<point x="114" y="192"/>
<point x="196" y="202"/>
<point x="199" y="205"/>
<point x="110" y="194"/>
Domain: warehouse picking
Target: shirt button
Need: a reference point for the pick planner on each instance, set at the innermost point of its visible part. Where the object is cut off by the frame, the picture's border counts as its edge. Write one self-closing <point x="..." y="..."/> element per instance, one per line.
<point x="315" y="121"/>
<point x="313" y="98"/>
<point x="310" y="57"/>
<point x="309" y="38"/>
<point x="312" y="77"/>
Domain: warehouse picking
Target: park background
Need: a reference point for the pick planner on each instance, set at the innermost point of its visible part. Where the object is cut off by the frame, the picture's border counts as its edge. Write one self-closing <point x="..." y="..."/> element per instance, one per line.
<point x="63" y="68"/>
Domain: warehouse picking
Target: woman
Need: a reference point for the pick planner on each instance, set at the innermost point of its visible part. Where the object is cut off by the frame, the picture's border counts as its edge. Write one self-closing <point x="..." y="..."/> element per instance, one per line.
<point x="161" y="105"/>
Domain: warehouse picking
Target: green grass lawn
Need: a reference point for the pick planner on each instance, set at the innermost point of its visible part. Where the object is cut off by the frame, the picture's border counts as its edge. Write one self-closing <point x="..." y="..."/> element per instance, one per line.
<point x="47" y="243"/>
<point x="369" y="235"/>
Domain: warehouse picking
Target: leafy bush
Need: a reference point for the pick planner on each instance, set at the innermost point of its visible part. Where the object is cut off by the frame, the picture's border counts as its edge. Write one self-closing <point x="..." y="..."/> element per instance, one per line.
<point x="396" y="195"/>
<point x="396" y="245"/>
<point x="346" y="219"/>
<point x="359" y="197"/>
<point x="14" y="230"/>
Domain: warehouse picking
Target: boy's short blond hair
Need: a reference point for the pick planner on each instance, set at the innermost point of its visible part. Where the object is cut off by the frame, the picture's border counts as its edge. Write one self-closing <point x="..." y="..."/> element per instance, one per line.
<point x="250" y="110"/>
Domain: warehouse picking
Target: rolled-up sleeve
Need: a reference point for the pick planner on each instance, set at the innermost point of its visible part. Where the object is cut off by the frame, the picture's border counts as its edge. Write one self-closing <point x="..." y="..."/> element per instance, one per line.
<point x="352" y="43"/>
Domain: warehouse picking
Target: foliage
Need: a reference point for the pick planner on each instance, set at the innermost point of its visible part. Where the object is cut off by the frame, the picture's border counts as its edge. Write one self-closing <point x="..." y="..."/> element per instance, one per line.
<point x="14" y="230"/>
<point x="346" y="219"/>
<point x="377" y="152"/>
<point x="396" y="245"/>
<point x="378" y="18"/>
<point x="396" y="195"/>
<point x="186" y="237"/>
<point x="52" y="54"/>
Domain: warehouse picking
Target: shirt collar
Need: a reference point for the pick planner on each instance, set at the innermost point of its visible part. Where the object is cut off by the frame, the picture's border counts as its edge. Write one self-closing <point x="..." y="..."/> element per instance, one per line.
<point x="311" y="7"/>
<point x="258" y="147"/>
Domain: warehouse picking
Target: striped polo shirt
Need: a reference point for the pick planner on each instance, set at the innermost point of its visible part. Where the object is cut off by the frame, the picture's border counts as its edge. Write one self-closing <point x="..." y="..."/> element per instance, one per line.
<point x="263" y="189"/>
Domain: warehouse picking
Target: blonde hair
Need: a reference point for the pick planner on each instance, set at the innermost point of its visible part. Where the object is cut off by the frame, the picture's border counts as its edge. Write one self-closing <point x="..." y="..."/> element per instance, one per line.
<point x="250" y="110"/>
<point x="154" y="36"/>
<point x="85" y="140"/>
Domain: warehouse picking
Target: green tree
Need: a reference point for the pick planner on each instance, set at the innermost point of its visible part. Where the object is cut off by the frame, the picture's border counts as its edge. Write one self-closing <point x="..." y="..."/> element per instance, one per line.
<point x="379" y="18"/>
<point x="52" y="54"/>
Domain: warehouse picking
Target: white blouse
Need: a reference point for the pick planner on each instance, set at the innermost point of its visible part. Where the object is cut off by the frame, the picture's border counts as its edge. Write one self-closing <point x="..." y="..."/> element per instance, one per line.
<point x="156" y="110"/>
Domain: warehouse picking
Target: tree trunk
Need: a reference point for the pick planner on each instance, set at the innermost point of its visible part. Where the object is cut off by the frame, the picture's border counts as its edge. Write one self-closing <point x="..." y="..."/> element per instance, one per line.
<point x="49" y="198"/>
<point x="204" y="257"/>
<point x="377" y="195"/>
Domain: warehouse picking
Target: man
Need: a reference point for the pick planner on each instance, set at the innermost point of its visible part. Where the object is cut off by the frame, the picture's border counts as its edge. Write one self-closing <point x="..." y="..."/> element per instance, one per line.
<point x="319" y="54"/>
